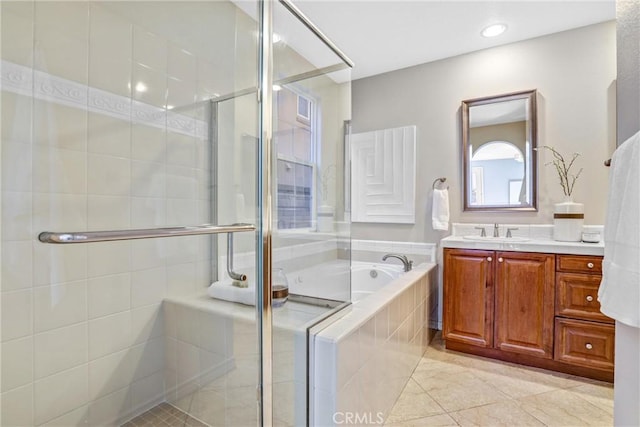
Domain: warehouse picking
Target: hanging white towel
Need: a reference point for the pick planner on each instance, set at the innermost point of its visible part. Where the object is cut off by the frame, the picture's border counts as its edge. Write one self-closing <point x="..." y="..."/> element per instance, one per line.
<point x="619" y="292"/>
<point x="440" y="212"/>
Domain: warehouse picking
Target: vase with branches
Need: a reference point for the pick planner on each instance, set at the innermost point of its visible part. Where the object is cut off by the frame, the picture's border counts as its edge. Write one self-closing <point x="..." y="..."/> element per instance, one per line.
<point x="568" y="216"/>
<point x="567" y="179"/>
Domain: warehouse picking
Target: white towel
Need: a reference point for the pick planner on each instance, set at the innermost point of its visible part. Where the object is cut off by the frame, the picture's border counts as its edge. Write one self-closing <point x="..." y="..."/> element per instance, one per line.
<point x="619" y="292"/>
<point x="226" y="291"/>
<point x="440" y="212"/>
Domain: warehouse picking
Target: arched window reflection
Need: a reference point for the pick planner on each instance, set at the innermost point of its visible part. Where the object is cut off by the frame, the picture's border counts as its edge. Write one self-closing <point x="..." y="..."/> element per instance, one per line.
<point x="497" y="174"/>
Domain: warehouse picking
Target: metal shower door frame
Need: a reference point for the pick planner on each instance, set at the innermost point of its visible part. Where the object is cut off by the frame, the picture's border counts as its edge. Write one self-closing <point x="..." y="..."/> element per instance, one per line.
<point x="264" y="232"/>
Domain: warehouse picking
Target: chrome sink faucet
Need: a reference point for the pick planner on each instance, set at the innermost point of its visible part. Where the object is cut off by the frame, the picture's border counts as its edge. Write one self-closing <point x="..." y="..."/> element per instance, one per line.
<point x="496" y="230"/>
<point x="405" y="261"/>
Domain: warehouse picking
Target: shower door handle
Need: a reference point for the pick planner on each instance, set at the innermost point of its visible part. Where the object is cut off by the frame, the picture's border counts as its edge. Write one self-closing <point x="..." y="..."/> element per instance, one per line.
<point x="146" y="233"/>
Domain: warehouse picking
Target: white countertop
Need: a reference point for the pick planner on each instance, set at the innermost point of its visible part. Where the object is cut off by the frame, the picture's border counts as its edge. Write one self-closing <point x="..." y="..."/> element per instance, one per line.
<point x="533" y="245"/>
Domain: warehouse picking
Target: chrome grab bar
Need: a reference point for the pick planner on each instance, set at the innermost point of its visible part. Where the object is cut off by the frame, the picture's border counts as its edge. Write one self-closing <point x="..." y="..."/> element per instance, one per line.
<point x="146" y="233"/>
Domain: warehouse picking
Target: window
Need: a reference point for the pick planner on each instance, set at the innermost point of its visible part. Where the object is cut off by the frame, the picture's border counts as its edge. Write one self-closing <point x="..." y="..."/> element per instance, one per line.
<point x="304" y="109"/>
<point x="295" y="194"/>
<point x="295" y="141"/>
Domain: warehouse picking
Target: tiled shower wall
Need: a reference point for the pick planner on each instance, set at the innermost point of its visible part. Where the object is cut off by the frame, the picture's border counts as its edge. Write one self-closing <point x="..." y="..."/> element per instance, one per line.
<point x="84" y="150"/>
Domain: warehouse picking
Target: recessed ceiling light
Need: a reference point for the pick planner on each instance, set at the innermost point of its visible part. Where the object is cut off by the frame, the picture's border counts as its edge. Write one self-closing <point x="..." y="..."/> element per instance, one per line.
<point x="277" y="88"/>
<point x="494" y="30"/>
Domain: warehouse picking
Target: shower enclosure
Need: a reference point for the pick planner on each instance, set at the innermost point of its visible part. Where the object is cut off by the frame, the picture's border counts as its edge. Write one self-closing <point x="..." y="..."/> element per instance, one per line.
<point x="135" y="137"/>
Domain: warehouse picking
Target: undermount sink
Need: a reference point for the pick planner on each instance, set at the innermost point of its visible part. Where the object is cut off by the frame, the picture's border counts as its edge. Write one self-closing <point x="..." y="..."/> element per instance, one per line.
<point x="496" y="239"/>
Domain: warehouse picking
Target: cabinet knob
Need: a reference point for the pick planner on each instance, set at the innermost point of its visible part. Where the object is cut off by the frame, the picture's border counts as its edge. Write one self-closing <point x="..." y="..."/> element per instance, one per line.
<point x="590" y="264"/>
<point x="588" y="346"/>
<point x="589" y="298"/>
<point x="489" y="259"/>
<point x="500" y="259"/>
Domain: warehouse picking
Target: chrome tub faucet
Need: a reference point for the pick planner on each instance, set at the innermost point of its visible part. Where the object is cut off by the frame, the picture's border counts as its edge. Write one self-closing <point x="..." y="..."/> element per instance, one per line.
<point x="408" y="265"/>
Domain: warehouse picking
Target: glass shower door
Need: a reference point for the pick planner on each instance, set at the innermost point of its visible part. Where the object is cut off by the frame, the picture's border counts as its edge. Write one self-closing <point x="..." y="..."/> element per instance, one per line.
<point x="310" y="226"/>
<point x="119" y="116"/>
<point x="126" y="126"/>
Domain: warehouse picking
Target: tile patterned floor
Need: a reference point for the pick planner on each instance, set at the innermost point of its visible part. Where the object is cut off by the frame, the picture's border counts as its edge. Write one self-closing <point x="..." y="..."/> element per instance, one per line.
<point x="164" y="415"/>
<point x="454" y="389"/>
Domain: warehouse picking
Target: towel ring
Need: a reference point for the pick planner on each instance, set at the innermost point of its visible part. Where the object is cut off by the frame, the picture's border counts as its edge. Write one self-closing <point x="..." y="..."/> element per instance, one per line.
<point x="440" y="180"/>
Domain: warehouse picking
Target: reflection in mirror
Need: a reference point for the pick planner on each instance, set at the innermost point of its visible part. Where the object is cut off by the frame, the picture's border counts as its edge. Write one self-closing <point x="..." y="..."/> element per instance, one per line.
<point x="499" y="138"/>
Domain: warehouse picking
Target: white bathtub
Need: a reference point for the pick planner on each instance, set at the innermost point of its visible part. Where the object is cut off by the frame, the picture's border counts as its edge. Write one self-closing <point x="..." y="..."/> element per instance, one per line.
<point x="334" y="279"/>
<point x="342" y="362"/>
<point x="366" y="278"/>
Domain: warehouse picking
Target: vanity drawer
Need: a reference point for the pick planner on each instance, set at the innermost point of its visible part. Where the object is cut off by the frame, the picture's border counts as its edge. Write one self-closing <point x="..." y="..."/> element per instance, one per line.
<point x="583" y="343"/>
<point x="577" y="296"/>
<point x="580" y="263"/>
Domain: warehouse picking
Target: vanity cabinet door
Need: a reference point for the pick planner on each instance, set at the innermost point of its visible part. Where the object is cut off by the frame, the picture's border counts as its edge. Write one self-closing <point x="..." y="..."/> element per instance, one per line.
<point x="468" y="296"/>
<point x="524" y="316"/>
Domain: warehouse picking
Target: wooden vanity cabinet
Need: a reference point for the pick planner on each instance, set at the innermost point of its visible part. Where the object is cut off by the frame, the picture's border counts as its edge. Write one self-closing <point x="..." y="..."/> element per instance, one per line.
<point x="583" y="335"/>
<point x="500" y="300"/>
<point x="531" y="308"/>
<point x="524" y="309"/>
<point x="468" y="295"/>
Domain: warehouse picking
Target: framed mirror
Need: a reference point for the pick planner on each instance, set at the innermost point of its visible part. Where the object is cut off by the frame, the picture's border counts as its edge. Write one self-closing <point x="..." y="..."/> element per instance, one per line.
<point x="499" y="137"/>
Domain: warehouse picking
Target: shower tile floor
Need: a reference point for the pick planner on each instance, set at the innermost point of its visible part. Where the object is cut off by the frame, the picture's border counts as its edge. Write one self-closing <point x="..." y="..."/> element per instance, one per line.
<point x="455" y="389"/>
<point x="164" y="415"/>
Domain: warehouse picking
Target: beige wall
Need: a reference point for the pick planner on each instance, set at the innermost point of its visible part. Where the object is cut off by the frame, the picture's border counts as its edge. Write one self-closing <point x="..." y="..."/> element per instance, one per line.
<point x="628" y="87"/>
<point x="574" y="73"/>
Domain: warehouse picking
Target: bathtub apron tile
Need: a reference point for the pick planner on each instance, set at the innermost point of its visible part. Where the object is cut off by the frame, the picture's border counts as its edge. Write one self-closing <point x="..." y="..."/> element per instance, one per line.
<point x="325" y="365"/>
<point x="348" y="358"/>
